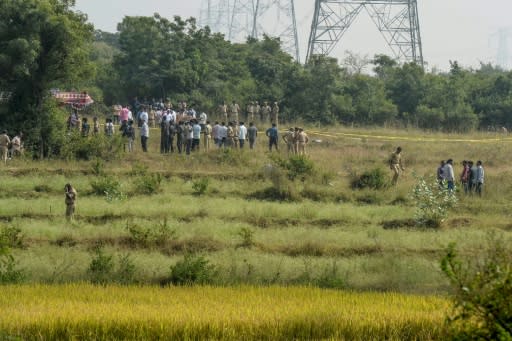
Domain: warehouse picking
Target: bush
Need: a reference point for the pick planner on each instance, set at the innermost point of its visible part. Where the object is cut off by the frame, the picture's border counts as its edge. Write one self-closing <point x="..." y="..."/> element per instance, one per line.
<point x="150" y="236"/>
<point x="109" y="187"/>
<point x="432" y="202"/>
<point x="372" y="179"/>
<point x="148" y="184"/>
<point x="139" y="168"/>
<point x="296" y="166"/>
<point x="101" y="268"/>
<point x="247" y="237"/>
<point x="8" y="272"/>
<point x="11" y="237"/>
<point x="193" y="269"/>
<point x="78" y="147"/>
<point x="98" y="167"/>
<point x="483" y="288"/>
<point x="200" y="186"/>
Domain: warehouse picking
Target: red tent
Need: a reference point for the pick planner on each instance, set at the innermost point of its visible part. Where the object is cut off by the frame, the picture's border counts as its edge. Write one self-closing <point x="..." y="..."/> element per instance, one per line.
<point x="77" y="100"/>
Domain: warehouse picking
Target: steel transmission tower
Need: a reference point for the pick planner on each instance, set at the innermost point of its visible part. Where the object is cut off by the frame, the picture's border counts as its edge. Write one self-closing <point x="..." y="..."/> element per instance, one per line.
<point x="240" y="19"/>
<point x="397" y="20"/>
<point x="503" y="38"/>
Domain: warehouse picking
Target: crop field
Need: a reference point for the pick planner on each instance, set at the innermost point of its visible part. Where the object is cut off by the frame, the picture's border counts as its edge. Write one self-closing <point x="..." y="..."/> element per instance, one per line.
<point x="140" y="216"/>
<point x="85" y="312"/>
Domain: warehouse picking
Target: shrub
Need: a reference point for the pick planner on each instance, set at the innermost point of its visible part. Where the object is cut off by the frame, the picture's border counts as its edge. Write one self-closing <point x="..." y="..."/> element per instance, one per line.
<point x="42" y="188"/>
<point x="329" y="278"/>
<point x="247" y="237"/>
<point x="483" y="287"/>
<point x="78" y="147"/>
<point x="296" y="166"/>
<point x="98" y="167"/>
<point x="101" y="267"/>
<point x="150" y="236"/>
<point x="138" y="168"/>
<point x="193" y="269"/>
<point x="200" y="186"/>
<point x="109" y="187"/>
<point x="9" y="274"/>
<point x="432" y="202"/>
<point x="148" y="184"/>
<point x="372" y="179"/>
<point x="11" y="237"/>
<point x="126" y="270"/>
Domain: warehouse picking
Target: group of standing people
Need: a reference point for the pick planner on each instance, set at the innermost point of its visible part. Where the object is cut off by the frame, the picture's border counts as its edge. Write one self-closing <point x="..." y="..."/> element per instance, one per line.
<point x="265" y="113"/>
<point x="10" y="147"/>
<point x="471" y="177"/>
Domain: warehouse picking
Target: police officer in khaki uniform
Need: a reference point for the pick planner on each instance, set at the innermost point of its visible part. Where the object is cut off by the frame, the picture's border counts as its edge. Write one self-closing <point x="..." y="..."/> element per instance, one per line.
<point x="223" y="110"/>
<point x="207" y="135"/>
<point x="5" y="141"/>
<point x="289" y="139"/>
<point x="234" y="110"/>
<point x="303" y="141"/>
<point x="395" y="164"/>
<point x="275" y="114"/>
<point x="265" y="112"/>
<point x="70" y="201"/>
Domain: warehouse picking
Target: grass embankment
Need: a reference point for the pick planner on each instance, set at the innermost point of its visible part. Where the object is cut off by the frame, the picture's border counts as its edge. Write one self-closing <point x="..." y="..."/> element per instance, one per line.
<point x="85" y="312"/>
<point x="359" y="239"/>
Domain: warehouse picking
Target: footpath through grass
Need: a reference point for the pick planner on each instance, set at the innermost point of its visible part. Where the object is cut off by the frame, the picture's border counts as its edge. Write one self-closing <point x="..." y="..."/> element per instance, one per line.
<point x="86" y="312"/>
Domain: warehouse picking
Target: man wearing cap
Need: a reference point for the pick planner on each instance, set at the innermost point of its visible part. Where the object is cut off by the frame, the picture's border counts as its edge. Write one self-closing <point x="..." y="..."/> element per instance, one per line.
<point x="4" y="145"/>
<point x="275" y="114"/>
<point x="265" y="112"/>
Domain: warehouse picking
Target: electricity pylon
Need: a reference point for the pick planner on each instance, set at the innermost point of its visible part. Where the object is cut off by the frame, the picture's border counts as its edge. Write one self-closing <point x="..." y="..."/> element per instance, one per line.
<point x="397" y="21"/>
<point x="242" y="19"/>
<point x="503" y="37"/>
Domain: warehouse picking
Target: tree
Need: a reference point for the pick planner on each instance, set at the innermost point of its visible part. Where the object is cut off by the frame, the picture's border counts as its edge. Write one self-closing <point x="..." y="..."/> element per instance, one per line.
<point x="44" y="45"/>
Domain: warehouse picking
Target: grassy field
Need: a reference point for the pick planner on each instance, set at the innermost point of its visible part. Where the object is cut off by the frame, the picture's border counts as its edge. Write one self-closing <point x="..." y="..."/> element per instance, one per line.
<point x="330" y="237"/>
<point x="85" y="312"/>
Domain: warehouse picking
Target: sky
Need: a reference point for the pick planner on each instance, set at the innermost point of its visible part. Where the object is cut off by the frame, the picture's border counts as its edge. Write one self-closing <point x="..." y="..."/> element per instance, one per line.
<point x="451" y="30"/>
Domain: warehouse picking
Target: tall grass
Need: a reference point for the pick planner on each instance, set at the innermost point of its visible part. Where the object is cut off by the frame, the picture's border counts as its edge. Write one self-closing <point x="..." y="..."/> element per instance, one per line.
<point x="270" y="313"/>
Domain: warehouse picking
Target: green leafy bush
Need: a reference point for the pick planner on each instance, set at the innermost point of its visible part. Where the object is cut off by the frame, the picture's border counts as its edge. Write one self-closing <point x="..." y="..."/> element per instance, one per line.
<point x="78" y="147"/>
<point x="151" y="236"/>
<point x="101" y="267"/>
<point x="193" y="269"/>
<point x="483" y="287"/>
<point x="296" y="166"/>
<point x="432" y="202"/>
<point x="11" y="237"/>
<point x="148" y="184"/>
<point x="9" y="274"/>
<point x="373" y="179"/>
<point x="109" y="187"/>
<point x="246" y="235"/>
<point x="200" y="186"/>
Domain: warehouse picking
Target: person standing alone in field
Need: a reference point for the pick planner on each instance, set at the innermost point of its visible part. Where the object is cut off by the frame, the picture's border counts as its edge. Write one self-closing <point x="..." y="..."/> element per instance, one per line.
<point x="395" y="163"/>
<point x="70" y="201"/>
<point x="273" y="137"/>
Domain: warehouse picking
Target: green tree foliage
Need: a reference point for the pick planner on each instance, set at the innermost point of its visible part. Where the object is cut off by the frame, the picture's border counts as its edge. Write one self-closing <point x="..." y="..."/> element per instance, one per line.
<point x="43" y="44"/>
<point x="482" y="286"/>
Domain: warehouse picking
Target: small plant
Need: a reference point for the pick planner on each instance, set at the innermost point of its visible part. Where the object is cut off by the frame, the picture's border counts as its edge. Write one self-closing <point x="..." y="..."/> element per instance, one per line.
<point x="101" y="268"/>
<point x="105" y="185"/>
<point x="330" y="278"/>
<point x="98" y="167"/>
<point x="247" y="237"/>
<point x="11" y="237"/>
<point x="193" y="269"/>
<point x="372" y="179"/>
<point x="126" y="271"/>
<point x="9" y="274"/>
<point x="432" y="203"/>
<point x="200" y="186"/>
<point x="483" y="287"/>
<point x="139" y="168"/>
<point x="148" y="184"/>
<point x="296" y="167"/>
<point x="151" y="236"/>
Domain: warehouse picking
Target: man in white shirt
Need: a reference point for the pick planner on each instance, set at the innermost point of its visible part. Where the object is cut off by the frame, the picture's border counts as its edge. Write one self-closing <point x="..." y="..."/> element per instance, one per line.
<point x="449" y="175"/>
<point x="242" y="135"/>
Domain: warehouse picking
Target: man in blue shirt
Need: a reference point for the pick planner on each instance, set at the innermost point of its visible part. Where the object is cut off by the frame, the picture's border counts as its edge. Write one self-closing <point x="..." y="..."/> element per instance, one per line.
<point x="273" y="136"/>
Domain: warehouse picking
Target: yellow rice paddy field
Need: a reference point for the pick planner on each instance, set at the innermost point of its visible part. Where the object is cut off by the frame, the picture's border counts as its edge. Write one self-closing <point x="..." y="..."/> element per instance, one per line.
<point x="87" y="312"/>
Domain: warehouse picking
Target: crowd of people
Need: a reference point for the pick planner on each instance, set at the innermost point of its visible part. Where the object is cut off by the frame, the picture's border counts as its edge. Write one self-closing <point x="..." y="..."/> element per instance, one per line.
<point x="471" y="177"/>
<point x="182" y="130"/>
